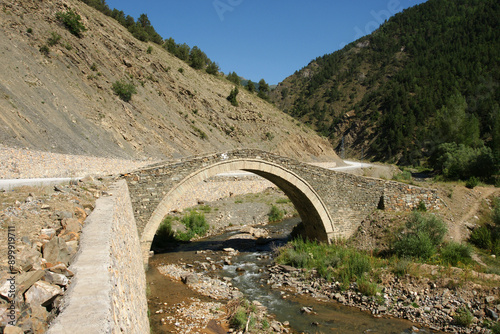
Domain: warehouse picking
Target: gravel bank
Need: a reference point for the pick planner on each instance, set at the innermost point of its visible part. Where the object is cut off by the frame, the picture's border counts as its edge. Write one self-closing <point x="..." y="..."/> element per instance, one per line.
<point x="23" y="164"/>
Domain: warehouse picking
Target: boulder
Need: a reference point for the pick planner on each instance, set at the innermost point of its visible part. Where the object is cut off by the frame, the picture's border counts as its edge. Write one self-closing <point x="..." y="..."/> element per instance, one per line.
<point x="71" y="225"/>
<point x="28" y="258"/>
<point x="61" y="268"/>
<point x="42" y="293"/>
<point x="56" y="251"/>
<point x="54" y="278"/>
<point x="13" y="330"/>
<point x="190" y="279"/>
<point x="24" y="281"/>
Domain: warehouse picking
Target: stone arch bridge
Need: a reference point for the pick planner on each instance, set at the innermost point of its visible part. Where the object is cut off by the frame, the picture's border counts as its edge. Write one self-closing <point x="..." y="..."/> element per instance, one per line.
<point x="331" y="204"/>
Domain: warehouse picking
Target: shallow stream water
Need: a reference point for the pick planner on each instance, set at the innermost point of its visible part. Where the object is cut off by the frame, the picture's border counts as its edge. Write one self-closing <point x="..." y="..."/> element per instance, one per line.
<point x="248" y="274"/>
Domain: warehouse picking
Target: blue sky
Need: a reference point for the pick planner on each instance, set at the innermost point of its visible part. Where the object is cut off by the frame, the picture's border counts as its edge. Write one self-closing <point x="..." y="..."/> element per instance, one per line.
<point x="264" y="39"/>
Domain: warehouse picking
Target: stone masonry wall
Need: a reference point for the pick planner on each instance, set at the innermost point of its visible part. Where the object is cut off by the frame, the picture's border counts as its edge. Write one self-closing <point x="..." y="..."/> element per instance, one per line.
<point x="349" y="198"/>
<point x="108" y="294"/>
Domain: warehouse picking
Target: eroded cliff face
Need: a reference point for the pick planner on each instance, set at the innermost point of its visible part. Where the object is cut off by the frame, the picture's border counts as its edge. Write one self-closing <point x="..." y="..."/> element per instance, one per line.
<point x="63" y="101"/>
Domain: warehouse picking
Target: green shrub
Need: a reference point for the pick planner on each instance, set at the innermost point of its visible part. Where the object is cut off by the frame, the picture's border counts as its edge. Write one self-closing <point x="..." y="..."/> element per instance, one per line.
<point x="149" y="50"/>
<point x="72" y="21"/>
<point x="481" y="237"/>
<point x="463" y="317"/>
<point x="239" y="319"/>
<point x="463" y="162"/>
<point x="53" y="39"/>
<point x="196" y="225"/>
<point x="181" y="70"/>
<point x="403" y="176"/>
<point x="367" y="288"/>
<point x="29" y="30"/>
<point x="44" y="49"/>
<point x="454" y="253"/>
<point x="472" y="182"/>
<point x="232" y="96"/>
<point x="276" y="214"/>
<point x="496" y="328"/>
<point x="421" y="207"/>
<point x="164" y="235"/>
<point x="421" y="237"/>
<point x="124" y="90"/>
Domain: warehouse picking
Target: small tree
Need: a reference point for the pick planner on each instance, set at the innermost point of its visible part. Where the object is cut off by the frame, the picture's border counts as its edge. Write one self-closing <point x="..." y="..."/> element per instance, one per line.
<point x="232" y="96"/>
<point x="234" y="78"/>
<point x="124" y="90"/>
<point x="263" y="90"/>
<point x="212" y="68"/>
<point x="251" y="86"/>
<point x="72" y="21"/>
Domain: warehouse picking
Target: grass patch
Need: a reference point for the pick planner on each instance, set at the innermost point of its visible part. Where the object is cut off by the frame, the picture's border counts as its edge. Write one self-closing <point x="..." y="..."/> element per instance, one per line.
<point x="283" y="201"/>
<point x="330" y="261"/>
<point x="276" y="214"/>
<point x="463" y="317"/>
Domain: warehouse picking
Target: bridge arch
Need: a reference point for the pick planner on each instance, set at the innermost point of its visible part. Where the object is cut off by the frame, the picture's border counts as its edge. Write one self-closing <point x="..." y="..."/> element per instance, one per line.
<point x="311" y="208"/>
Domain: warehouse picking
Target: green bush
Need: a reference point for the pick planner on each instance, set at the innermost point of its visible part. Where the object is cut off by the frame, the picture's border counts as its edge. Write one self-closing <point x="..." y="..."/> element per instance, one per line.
<point x="496" y="328"/>
<point x="124" y="90"/>
<point x="481" y="237"/>
<point x="421" y="207"/>
<point x="44" y="49"/>
<point x="463" y="162"/>
<point x="232" y="96"/>
<point x="196" y="225"/>
<point x="463" y="317"/>
<point x="276" y="214"/>
<point x="367" y="288"/>
<point x="472" y="182"/>
<point x="454" y="253"/>
<point x="239" y="319"/>
<point x="149" y="50"/>
<point x="421" y="237"/>
<point x="164" y="235"/>
<point x="72" y="21"/>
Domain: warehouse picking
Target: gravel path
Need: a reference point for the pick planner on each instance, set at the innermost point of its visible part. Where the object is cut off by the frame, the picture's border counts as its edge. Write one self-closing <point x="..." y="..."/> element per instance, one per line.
<point x="23" y="164"/>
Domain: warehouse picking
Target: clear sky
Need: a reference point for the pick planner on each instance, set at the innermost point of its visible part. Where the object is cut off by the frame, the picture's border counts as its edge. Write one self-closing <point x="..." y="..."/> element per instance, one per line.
<point x="264" y="39"/>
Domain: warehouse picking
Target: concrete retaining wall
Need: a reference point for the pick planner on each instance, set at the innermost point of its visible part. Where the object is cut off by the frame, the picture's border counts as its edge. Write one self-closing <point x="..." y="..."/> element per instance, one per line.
<point x="108" y="293"/>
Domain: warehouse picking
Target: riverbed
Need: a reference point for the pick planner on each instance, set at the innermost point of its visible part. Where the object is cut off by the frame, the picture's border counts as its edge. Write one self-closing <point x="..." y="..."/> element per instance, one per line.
<point x="245" y="272"/>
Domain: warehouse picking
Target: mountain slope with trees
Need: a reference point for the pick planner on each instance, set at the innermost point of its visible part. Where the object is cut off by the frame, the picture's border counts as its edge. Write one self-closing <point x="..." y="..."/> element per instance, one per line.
<point x="425" y="84"/>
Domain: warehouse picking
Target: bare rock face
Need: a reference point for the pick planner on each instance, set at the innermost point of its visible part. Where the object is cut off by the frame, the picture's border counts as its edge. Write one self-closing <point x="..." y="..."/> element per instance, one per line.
<point x="42" y="293"/>
<point x="172" y="114"/>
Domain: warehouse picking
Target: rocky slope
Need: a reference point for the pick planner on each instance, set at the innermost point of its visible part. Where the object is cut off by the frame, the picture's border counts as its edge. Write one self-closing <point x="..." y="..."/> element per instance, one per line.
<point x="63" y="101"/>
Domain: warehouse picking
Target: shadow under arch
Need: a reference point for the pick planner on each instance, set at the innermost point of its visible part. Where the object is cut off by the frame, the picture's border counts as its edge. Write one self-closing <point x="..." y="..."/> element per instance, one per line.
<point x="316" y="219"/>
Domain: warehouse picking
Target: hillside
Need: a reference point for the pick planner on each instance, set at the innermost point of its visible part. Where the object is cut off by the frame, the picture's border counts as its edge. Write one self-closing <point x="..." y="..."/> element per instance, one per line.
<point x="56" y="94"/>
<point x="429" y="75"/>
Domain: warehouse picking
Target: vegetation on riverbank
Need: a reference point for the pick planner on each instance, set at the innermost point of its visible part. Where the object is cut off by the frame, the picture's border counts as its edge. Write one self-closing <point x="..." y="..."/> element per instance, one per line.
<point x="419" y="241"/>
<point x="195" y="223"/>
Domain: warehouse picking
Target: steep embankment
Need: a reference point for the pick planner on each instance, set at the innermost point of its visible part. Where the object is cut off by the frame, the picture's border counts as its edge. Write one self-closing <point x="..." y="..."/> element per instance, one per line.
<point x="63" y="101"/>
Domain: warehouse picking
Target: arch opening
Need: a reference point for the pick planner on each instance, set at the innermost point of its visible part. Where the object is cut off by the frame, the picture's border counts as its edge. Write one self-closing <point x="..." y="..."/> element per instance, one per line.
<point x="317" y="223"/>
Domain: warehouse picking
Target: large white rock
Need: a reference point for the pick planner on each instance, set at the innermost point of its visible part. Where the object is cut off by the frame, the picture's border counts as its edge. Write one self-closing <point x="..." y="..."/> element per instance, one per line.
<point x="42" y="293"/>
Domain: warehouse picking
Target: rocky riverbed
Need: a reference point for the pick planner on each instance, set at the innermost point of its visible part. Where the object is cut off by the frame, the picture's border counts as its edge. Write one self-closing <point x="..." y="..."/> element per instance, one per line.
<point x="428" y="302"/>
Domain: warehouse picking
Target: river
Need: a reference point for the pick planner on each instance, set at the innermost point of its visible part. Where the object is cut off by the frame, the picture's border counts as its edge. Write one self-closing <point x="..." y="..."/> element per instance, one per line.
<point x="247" y="272"/>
